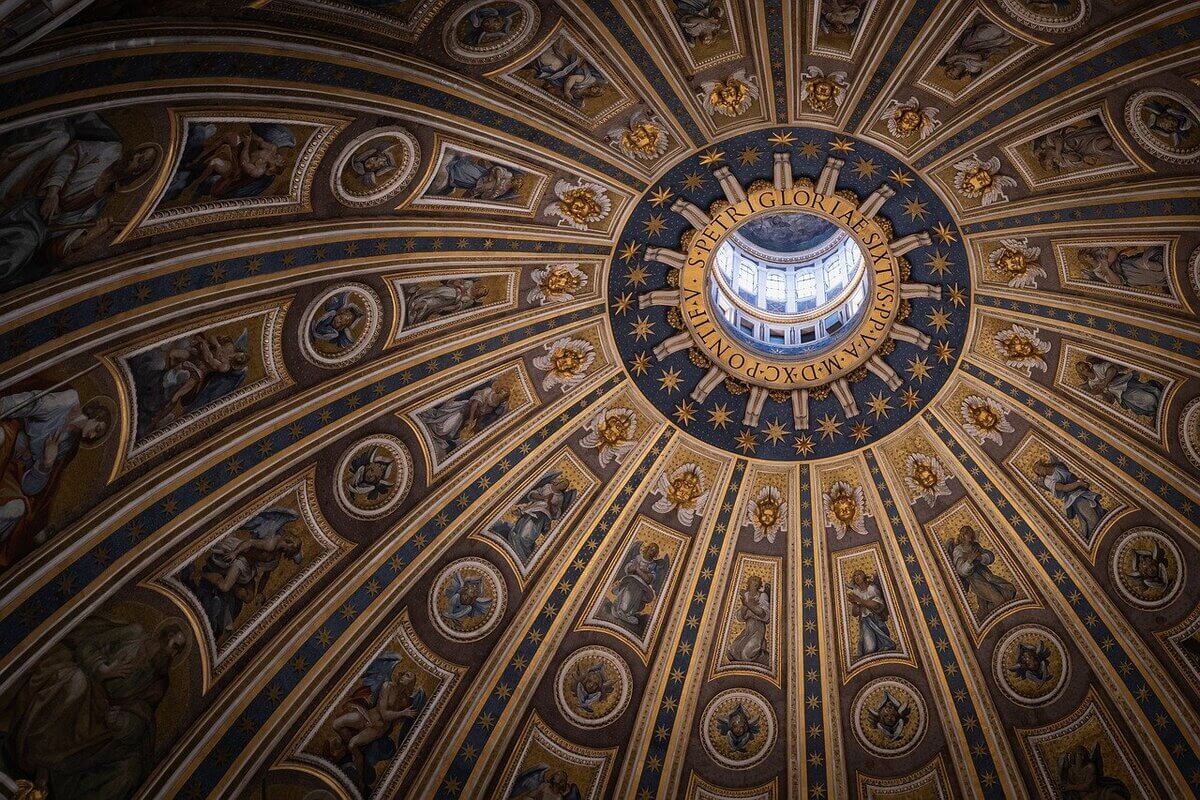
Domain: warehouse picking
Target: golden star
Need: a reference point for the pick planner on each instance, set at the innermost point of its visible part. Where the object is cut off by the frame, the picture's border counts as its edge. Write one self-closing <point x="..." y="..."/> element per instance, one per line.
<point x="915" y="209"/>
<point x="660" y="196"/>
<point x="781" y="138"/>
<point x="880" y="405"/>
<point x="944" y="233"/>
<point x="918" y="368"/>
<point x="809" y="150"/>
<point x="720" y="416"/>
<point x="629" y="251"/>
<point x="694" y="180"/>
<point x="776" y="431"/>
<point x="636" y="276"/>
<point x="655" y="224"/>
<point x="901" y="177"/>
<point x="713" y="156"/>
<point x="829" y="427"/>
<point x="669" y="380"/>
<point x="746" y="442"/>
<point x="841" y="145"/>
<point x="957" y="296"/>
<point x="641" y="363"/>
<point x="860" y="432"/>
<point x="622" y="303"/>
<point x="641" y="328"/>
<point x="939" y="262"/>
<point x="749" y="156"/>
<point x="685" y="412"/>
<point x="939" y="319"/>
<point x="803" y="444"/>
<point x="865" y="168"/>
<point x="944" y="352"/>
<point x="910" y="399"/>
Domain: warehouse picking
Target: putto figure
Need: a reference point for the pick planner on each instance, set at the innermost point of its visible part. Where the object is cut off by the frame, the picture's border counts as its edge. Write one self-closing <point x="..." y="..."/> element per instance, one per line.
<point x="636" y="588"/>
<point x="867" y="602"/>
<point x="537" y="512"/>
<point x="973" y="565"/>
<point x="235" y="571"/>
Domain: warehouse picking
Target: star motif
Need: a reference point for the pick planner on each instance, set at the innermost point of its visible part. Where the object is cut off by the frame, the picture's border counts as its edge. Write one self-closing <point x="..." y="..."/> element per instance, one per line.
<point x="655" y="224"/>
<point x="746" y="442"/>
<point x="636" y="276"/>
<point x="880" y="405"/>
<point x="944" y="352"/>
<point x="629" y="251"/>
<point x="803" y="444"/>
<point x="809" y="150"/>
<point x="720" y="416"/>
<point x="938" y="262"/>
<point x="901" y="177"/>
<point x="622" y="303"/>
<point x="641" y="328"/>
<point x="713" y="156"/>
<point x="919" y="368"/>
<point x="781" y="138"/>
<point x="865" y="168"/>
<point x="829" y="427"/>
<point x="841" y="145"/>
<point x="860" y="432"/>
<point x="669" y="381"/>
<point x="915" y="209"/>
<point x="750" y="155"/>
<point x="685" y="412"/>
<point x="776" y="431"/>
<point x="943" y="232"/>
<point x="957" y="295"/>
<point x="939" y="319"/>
<point x="910" y="398"/>
<point x="641" y="363"/>
<point x="693" y="181"/>
<point x="660" y="195"/>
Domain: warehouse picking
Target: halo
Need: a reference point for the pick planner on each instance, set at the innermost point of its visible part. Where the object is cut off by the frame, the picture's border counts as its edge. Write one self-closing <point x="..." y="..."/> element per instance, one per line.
<point x="137" y="183"/>
<point x="109" y="406"/>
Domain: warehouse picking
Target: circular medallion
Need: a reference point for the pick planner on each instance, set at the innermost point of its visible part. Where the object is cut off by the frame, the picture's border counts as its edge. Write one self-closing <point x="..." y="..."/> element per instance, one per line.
<point x="1048" y="15"/>
<point x="1030" y="665"/>
<point x="373" y="476"/>
<point x="491" y="29"/>
<point x="1189" y="431"/>
<point x="798" y="293"/>
<point x="593" y="687"/>
<point x="889" y="716"/>
<point x="738" y="728"/>
<point x="340" y="325"/>
<point x="375" y="166"/>
<point x="468" y="599"/>
<point x="1165" y="123"/>
<point x="1147" y="568"/>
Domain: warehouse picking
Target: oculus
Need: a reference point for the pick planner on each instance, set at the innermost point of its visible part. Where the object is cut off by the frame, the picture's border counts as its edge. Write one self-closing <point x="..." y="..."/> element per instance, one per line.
<point x="860" y="293"/>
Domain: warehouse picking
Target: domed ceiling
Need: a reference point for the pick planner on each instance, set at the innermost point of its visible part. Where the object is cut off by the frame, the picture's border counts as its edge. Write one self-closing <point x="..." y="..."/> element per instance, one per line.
<point x="367" y="430"/>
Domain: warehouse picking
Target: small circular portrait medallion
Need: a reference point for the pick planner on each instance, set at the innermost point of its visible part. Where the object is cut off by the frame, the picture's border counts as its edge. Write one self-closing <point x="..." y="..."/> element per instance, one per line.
<point x="593" y="687"/>
<point x="1030" y="665"/>
<point x="373" y="476"/>
<point x="738" y="728"/>
<point x="468" y="599"/>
